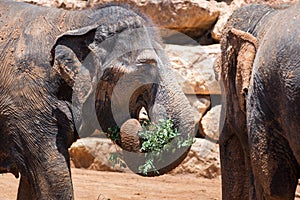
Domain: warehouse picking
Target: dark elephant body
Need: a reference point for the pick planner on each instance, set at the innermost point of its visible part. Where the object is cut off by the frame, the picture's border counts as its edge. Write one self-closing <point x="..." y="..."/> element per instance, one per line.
<point x="35" y="130"/>
<point x="260" y="141"/>
<point x="274" y="108"/>
<point x="47" y="56"/>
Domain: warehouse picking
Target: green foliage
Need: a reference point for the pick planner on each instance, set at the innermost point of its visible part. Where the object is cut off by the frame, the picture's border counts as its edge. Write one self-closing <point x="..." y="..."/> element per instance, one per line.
<point x="114" y="134"/>
<point x="148" y="166"/>
<point x="156" y="139"/>
<point x="157" y="136"/>
<point x="117" y="159"/>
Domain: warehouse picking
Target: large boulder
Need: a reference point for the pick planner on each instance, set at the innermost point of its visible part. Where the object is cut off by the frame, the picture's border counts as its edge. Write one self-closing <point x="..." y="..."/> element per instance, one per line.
<point x="66" y="4"/>
<point x="194" y="17"/>
<point x="202" y="160"/>
<point x="193" y="66"/>
<point x="210" y="123"/>
<point x="225" y="11"/>
<point x="94" y="153"/>
<point x="200" y="104"/>
<point x="201" y="19"/>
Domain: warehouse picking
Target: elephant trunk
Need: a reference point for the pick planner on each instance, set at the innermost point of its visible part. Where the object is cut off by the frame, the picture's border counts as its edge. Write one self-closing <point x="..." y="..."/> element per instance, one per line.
<point x="120" y="95"/>
<point x="168" y="103"/>
<point x="130" y="140"/>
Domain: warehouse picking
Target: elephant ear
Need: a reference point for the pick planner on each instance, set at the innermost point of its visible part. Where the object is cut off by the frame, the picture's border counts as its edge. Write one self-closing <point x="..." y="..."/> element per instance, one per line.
<point x="70" y="51"/>
<point x="74" y="59"/>
<point x="240" y="53"/>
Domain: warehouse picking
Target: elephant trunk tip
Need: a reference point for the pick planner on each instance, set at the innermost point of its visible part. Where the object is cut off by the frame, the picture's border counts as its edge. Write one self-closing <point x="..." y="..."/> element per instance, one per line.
<point x="130" y="140"/>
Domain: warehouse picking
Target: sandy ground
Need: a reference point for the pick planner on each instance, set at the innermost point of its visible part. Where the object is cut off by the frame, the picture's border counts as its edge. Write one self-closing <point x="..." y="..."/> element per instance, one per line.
<point x="95" y="185"/>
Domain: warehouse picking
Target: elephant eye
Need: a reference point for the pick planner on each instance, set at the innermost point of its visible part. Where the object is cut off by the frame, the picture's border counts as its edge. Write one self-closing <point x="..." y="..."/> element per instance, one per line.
<point x="147" y="61"/>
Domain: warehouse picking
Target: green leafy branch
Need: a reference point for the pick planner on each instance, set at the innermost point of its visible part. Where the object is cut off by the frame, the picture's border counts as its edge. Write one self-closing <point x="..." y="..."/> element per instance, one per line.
<point x="156" y="139"/>
<point x="117" y="159"/>
<point x="114" y="134"/>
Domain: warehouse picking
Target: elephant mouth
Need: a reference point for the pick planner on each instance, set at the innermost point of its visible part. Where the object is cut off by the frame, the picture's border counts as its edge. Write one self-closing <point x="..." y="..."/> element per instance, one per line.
<point x="141" y="101"/>
<point x="130" y="116"/>
<point x="121" y="95"/>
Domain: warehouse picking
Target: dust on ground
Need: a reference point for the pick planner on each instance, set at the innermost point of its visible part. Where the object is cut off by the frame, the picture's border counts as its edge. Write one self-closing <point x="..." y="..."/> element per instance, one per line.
<point x="97" y="185"/>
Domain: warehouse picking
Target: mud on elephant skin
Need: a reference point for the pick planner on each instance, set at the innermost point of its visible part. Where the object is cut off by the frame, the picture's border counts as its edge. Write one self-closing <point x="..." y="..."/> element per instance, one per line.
<point x="260" y="70"/>
<point x="69" y="72"/>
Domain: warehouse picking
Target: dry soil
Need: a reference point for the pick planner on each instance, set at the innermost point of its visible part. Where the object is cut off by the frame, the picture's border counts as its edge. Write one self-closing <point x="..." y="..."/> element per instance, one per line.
<point x="96" y="185"/>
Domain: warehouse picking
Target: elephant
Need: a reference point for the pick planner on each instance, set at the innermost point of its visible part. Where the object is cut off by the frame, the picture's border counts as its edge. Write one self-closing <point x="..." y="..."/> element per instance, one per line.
<point x="65" y="73"/>
<point x="259" y="70"/>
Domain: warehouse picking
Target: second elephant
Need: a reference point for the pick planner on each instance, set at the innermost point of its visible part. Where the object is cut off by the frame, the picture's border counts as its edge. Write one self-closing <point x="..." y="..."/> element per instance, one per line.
<point x="260" y="70"/>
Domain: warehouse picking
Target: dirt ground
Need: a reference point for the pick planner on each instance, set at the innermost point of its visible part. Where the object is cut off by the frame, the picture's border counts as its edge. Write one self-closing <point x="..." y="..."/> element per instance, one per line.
<point x="96" y="185"/>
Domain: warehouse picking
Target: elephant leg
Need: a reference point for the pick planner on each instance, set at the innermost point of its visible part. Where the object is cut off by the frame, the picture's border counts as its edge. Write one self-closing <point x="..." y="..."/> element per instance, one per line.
<point x="273" y="163"/>
<point x="47" y="176"/>
<point x="25" y="190"/>
<point x="43" y="157"/>
<point x="235" y="173"/>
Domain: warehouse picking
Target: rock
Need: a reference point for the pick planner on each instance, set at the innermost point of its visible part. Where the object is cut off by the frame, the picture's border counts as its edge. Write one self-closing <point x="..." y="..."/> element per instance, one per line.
<point x="94" y="153"/>
<point x="66" y="4"/>
<point x="202" y="160"/>
<point x="193" y="66"/>
<point x="200" y="19"/>
<point x="192" y="17"/>
<point x="225" y="12"/>
<point x="200" y="104"/>
<point x="210" y="123"/>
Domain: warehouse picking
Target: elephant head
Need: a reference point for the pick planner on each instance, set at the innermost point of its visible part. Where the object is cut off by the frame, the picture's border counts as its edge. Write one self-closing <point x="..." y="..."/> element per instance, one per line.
<point x="115" y="69"/>
<point x="240" y="45"/>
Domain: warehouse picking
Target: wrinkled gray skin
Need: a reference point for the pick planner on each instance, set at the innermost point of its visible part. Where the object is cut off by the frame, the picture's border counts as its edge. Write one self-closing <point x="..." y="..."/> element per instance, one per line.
<point x="260" y="69"/>
<point x="45" y="68"/>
